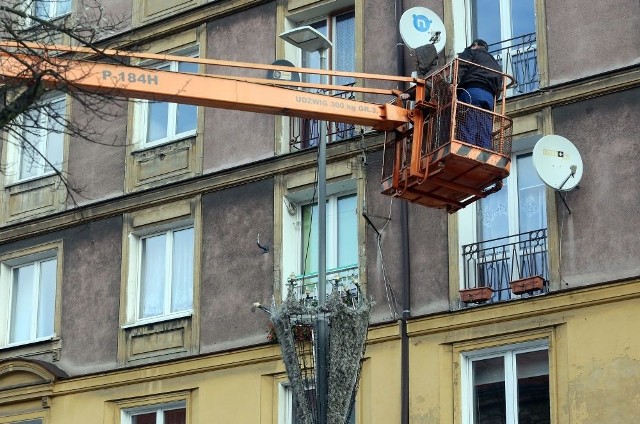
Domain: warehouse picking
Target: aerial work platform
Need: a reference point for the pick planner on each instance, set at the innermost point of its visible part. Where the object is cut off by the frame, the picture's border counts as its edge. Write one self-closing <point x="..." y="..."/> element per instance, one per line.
<point x="458" y="154"/>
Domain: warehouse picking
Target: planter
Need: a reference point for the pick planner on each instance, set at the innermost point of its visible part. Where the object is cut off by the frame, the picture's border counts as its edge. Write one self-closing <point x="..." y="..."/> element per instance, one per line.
<point x="476" y="294"/>
<point x="527" y="285"/>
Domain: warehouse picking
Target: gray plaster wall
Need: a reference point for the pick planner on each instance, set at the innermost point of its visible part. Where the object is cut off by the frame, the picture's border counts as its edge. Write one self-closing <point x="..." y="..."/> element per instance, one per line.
<point x="590" y="37"/>
<point x="233" y="138"/>
<point x="119" y="11"/>
<point x="235" y="271"/>
<point x="91" y="296"/>
<point x="96" y="164"/>
<point x="599" y="238"/>
<point x="427" y="252"/>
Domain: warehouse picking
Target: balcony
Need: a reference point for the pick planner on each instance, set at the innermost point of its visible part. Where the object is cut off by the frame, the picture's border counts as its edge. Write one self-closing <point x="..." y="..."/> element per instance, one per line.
<point x="505" y="268"/>
<point x="304" y="133"/>
<point x="519" y="58"/>
<point x="344" y="280"/>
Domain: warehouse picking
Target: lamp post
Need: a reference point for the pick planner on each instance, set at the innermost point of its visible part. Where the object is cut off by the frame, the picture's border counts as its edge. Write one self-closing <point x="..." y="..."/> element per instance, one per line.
<point x="311" y="40"/>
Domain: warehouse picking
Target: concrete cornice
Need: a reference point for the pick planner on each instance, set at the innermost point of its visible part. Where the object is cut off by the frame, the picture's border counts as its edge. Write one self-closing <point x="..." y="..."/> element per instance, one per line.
<point x="536" y="307"/>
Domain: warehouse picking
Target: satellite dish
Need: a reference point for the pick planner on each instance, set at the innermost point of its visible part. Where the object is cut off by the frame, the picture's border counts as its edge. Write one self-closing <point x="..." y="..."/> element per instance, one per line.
<point x="420" y="26"/>
<point x="557" y="162"/>
<point x="283" y="75"/>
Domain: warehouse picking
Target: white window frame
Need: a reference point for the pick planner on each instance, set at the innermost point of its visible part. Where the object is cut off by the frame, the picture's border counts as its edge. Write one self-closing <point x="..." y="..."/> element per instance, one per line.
<point x="134" y="283"/>
<point x="467" y="217"/>
<point x="52" y="13"/>
<point x="463" y="36"/>
<point x="285" y="407"/>
<point x="141" y="110"/>
<point x="508" y="352"/>
<point x="127" y="414"/>
<point x="15" y="147"/>
<point x="7" y="268"/>
<point x="292" y="228"/>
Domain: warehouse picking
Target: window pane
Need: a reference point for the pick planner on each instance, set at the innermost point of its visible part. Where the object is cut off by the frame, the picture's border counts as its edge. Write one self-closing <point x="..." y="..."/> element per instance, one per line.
<point x="153" y="276"/>
<point x="157" y="121"/>
<point x="533" y="387"/>
<point x="523" y="17"/>
<point x="175" y="416"/>
<point x="41" y="9"/>
<point x="347" y="231"/>
<point x="47" y="298"/>
<point x="531" y="196"/>
<point x="345" y="46"/>
<point x="148" y="418"/>
<point x="489" y="402"/>
<point x="493" y="215"/>
<point x="486" y="20"/>
<point x="186" y="119"/>
<point x="182" y="278"/>
<point x="23" y="293"/>
<point x="29" y="157"/>
<point x="312" y="59"/>
<point x="55" y="136"/>
<point x="309" y="239"/>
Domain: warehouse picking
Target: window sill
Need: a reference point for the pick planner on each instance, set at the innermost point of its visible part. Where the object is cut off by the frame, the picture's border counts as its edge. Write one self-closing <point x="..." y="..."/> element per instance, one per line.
<point x="157" y="320"/>
<point x="44" y="178"/>
<point x="41" y="346"/>
<point x="151" y="147"/>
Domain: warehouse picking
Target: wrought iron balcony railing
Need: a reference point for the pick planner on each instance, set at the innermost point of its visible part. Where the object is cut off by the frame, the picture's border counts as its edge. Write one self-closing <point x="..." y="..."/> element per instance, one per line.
<point x="519" y="58"/>
<point x="304" y="133"/>
<point x="499" y="263"/>
<point x="344" y="279"/>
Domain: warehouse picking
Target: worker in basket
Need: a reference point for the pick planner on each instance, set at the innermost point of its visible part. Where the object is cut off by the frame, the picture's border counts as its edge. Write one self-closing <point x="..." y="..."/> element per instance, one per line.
<point x="479" y="87"/>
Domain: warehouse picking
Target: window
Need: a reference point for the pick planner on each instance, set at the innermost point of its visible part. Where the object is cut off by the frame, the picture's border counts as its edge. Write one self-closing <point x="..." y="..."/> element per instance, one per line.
<point x="288" y="414"/>
<point x="340" y="29"/>
<point x="509" y="27"/>
<point x="300" y="240"/>
<point x="40" y="146"/>
<point x="28" y="298"/>
<point x="163" y="277"/>
<point x="162" y="122"/>
<point x="170" y="413"/>
<point x="50" y="9"/>
<point x="503" y="236"/>
<point x="507" y="385"/>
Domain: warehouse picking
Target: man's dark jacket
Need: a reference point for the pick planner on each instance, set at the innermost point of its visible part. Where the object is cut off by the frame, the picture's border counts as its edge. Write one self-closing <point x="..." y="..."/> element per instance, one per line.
<point x="470" y="76"/>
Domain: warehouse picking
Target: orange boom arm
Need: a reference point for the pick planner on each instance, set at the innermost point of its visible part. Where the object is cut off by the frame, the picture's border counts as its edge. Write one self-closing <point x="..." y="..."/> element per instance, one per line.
<point x="202" y="90"/>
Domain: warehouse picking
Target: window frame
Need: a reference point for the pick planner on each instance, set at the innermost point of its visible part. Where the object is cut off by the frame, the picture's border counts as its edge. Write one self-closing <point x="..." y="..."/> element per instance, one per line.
<point x="292" y="228"/>
<point x="142" y="110"/>
<point x="7" y="266"/>
<point x="307" y="131"/>
<point x="126" y="414"/>
<point x="52" y="13"/>
<point x="134" y="286"/>
<point x="16" y="147"/>
<point x="509" y="351"/>
<point x="468" y="225"/>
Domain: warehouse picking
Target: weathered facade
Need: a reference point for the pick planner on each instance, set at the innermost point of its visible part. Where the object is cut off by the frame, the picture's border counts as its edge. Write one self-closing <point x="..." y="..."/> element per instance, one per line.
<point x="185" y="213"/>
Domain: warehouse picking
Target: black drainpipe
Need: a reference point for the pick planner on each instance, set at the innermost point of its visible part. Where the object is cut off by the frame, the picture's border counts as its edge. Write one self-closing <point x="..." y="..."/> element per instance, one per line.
<point x="405" y="265"/>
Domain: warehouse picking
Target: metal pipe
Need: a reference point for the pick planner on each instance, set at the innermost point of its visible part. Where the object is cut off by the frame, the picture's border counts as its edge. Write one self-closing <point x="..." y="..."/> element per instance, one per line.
<point x="405" y="264"/>
<point x="321" y="345"/>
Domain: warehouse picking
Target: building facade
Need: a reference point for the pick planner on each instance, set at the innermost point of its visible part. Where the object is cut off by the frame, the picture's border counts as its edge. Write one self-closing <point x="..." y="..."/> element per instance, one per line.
<point x="126" y="289"/>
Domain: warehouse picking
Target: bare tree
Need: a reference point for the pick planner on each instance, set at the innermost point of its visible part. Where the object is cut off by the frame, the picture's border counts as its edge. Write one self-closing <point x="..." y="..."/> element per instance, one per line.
<point x="28" y="110"/>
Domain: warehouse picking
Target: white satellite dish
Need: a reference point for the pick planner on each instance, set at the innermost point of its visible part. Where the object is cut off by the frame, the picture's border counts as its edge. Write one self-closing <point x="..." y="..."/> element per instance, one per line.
<point x="420" y="26"/>
<point x="557" y="162"/>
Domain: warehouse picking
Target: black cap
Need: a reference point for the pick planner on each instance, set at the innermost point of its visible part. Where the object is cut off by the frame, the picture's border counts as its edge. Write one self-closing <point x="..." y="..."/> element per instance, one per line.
<point x="480" y="43"/>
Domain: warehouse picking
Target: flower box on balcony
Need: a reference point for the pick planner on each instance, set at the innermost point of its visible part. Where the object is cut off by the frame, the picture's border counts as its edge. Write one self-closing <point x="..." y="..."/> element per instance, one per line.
<point x="476" y="294"/>
<point x="527" y="285"/>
